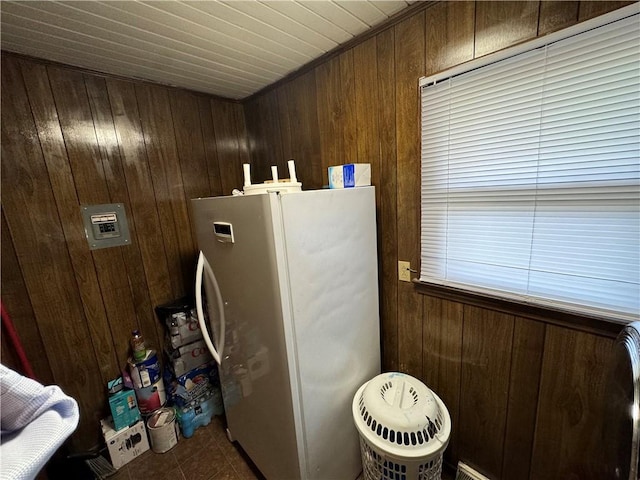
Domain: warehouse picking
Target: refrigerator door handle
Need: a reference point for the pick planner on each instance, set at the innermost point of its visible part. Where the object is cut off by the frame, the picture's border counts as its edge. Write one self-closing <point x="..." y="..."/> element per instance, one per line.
<point x="203" y="266"/>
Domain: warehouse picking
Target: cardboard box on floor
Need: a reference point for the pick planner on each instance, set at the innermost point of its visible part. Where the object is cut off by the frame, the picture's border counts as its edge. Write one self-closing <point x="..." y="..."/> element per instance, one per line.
<point x="126" y="444"/>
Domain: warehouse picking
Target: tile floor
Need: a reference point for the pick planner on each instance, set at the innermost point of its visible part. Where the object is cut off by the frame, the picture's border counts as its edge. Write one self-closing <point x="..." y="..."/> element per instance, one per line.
<point x="207" y="455"/>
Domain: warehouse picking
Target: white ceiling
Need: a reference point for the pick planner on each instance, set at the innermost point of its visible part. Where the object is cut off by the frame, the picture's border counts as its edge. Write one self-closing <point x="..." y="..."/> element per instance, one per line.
<point x="226" y="48"/>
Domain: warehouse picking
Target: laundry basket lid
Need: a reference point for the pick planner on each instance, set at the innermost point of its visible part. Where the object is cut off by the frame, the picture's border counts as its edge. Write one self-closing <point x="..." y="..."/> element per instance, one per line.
<point x="400" y="415"/>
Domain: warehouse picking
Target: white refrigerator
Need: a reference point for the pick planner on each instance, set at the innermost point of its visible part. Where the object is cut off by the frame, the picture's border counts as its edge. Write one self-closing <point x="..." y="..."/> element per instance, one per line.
<point x="291" y="292"/>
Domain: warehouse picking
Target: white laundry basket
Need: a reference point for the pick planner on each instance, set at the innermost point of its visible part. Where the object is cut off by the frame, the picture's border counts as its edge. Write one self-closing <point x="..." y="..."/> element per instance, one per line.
<point x="404" y="428"/>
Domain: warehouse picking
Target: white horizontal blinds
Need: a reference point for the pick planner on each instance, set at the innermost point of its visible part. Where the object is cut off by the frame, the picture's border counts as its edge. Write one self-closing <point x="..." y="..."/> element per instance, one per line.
<point x="587" y="230"/>
<point x="479" y="176"/>
<point x="531" y="174"/>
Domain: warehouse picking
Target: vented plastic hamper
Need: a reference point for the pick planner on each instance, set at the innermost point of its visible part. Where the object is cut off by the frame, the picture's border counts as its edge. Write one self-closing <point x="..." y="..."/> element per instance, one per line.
<point x="404" y="428"/>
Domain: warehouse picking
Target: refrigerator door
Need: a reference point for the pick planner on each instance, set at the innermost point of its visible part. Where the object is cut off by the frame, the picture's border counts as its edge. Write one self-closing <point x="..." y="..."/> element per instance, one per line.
<point x="330" y="237"/>
<point x="236" y="237"/>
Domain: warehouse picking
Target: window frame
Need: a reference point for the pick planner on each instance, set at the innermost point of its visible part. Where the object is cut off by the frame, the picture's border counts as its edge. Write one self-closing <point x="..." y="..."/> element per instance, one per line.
<point x="555" y="314"/>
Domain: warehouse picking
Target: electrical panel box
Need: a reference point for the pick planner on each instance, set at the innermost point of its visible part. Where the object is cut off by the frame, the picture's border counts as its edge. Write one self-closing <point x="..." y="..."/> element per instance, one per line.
<point x="105" y="225"/>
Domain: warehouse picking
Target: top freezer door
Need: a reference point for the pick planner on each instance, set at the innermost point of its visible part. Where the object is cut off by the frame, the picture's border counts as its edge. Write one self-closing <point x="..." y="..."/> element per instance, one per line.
<point x="237" y="239"/>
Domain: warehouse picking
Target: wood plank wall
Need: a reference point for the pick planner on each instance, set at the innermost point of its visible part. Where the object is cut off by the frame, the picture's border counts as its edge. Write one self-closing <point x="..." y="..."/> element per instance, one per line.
<point x="70" y="138"/>
<point x="524" y="394"/>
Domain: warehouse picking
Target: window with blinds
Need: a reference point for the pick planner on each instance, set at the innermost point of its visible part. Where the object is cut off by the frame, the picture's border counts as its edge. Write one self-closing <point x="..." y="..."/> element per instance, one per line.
<point x="531" y="174"/>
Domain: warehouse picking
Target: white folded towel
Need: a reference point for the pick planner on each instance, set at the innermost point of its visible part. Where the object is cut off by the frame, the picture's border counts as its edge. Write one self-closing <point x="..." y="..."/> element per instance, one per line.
<point x="34" y="422"/>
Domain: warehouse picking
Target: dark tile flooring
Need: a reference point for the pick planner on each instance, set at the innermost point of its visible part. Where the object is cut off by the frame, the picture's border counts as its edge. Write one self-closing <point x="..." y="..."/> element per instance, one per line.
<point x="207" y="455"/>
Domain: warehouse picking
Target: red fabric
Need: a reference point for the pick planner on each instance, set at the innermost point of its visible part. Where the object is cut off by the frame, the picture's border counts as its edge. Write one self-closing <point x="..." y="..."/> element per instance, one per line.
<point x="10" y="330"/>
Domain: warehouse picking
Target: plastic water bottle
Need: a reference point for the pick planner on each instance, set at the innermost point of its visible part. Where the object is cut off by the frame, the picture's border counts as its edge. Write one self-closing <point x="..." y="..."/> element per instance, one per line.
<point x="137" y="346"/>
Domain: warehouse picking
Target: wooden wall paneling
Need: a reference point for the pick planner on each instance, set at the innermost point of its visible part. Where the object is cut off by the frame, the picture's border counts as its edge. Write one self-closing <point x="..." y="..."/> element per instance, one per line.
<point x="44" y="258"/>
<point x="307" y="140"/>
<point x="51" y="115"/>
<point x="16" y="302"/>
<point x="409" y="66"/>
<point x="347" y="95"/>
<point x="121" y="269"/>
<point x="368" y="133"/>
<point x="117" y="295"/>
<point x="240" y="122"/>
<point x="265" y="140"/>
<point x="486" y="364"/>
<point x="284" y="113"/>
<point x="229" y="143"/>
<point x="295" y="134"/>
<point x="589" y="9"/>
<point x="442" y="357"/>
<point x="336" y="111"/>
<point x="320" y="118"/>
<point x="433" y="354"/>
<point x="556" y="15"/>
<point x="387" y="221"/>
<point x="244" y="156"/>
<point x="450" y="370"/>
<point x="275" y="150"/>
<point x="189" y="143"/>
<point x="569" y="415"/>
<point x="526" y="365"/>
<point x="410" y="332"/>
<point x="367" y="139"/>
<point x="431" y="335"/>
<point x="168" y="185"/>
<point x="210" y="146"/>
<point x="330" y="115"/>
<point x="76" y="124"/>
<point x="301" y="131"/>
<point x="502" y="24"/>
<point x="410" y="55"/>
<point x="105" y="290"/>
<point x="450" y="35"/>
<point x="193" y="161"/>
<point x="53" y="150"/>
<point x="144" y="212"/>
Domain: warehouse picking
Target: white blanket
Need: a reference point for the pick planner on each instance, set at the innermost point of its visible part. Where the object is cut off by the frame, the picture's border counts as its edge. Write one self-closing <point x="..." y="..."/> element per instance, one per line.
<point x="34" y="422"/>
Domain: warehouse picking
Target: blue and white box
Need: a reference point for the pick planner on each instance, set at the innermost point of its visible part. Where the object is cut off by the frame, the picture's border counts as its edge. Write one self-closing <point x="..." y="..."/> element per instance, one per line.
<point x="350" y="175"/>
<point x="123" y="405"/>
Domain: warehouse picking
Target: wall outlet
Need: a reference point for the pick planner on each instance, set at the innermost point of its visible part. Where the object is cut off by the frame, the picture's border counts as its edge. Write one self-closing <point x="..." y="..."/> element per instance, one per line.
<point x="404" y="271"/>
